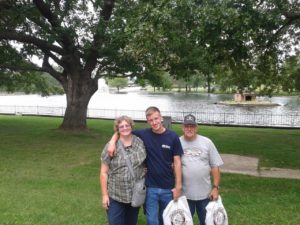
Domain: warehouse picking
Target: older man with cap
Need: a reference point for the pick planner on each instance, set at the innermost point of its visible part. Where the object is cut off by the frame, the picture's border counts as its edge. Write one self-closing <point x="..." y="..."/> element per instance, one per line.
<point x="200" y="162"/>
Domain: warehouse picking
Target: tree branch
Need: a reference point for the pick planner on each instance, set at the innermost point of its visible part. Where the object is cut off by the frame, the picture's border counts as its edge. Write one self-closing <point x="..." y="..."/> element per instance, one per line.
<point x="52" y="18"/>
<point x="44" y="45"/>
<point x="105" y="15"/>
<point x="292" y="16"/>
<point x="107" y="9"/>
<point x="284" y="8"/>
<point x="49" y="69"/>
<point x="29" y="67"/>
<point x="55" y="58"/>
<point x="278" y="32"/>
<point x="46" y="12"/>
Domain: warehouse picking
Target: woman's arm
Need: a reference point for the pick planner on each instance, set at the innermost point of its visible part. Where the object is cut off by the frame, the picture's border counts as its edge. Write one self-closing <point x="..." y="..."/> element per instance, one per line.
<point x="103" y="182"/>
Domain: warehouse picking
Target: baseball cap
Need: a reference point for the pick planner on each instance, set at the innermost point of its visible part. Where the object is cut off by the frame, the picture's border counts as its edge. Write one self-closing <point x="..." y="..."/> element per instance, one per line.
<point x="189" y="119"/>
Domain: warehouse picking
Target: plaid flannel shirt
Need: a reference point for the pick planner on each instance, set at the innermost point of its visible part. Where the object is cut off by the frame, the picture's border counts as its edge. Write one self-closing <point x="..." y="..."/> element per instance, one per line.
<point x="120" y="182"/>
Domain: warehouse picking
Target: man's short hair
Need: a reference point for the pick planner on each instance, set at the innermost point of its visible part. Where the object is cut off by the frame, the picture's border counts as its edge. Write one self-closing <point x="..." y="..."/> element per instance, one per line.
<point x="150" y="110"/>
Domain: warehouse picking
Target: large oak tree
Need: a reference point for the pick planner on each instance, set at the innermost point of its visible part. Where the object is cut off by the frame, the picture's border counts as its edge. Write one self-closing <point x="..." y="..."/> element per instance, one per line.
<point x="78" y="41"/>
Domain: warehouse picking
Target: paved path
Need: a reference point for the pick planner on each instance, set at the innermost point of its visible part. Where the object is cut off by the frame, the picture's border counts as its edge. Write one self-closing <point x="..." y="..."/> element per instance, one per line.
<point x="249" y="166"/>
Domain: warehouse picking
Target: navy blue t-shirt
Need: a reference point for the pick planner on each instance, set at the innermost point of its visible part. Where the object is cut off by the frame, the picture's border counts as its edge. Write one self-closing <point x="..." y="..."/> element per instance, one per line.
<point x="161" y="148"/>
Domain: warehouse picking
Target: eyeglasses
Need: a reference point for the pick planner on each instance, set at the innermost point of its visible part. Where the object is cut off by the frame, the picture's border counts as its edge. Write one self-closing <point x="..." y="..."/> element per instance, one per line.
<point x="189" y="126"/>
<point x="125" y="126"/>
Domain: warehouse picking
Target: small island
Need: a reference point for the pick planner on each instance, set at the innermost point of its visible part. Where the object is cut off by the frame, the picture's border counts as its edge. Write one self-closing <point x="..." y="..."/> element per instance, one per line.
<point x="247" y="99"/>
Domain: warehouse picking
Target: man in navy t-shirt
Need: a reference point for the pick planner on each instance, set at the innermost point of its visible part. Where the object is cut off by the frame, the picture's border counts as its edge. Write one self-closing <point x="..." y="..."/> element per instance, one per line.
<point x="163" y="178"/>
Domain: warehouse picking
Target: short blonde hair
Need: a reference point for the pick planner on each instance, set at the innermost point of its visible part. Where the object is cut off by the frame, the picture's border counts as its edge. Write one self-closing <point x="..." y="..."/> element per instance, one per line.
<point x="150" y="110"/>
<point x="120" y="119"/>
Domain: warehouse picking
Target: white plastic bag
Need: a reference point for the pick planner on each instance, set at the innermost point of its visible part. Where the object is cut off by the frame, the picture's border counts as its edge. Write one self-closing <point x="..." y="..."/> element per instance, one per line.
<point x="178" y="213"/>
<point x="216" y="213"/>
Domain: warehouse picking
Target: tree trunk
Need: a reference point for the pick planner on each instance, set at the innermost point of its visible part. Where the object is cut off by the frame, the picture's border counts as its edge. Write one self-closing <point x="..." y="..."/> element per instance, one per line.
<point x="79" y="91"/>
<point x="208" y="87"/>
<point x="208" y="83"/>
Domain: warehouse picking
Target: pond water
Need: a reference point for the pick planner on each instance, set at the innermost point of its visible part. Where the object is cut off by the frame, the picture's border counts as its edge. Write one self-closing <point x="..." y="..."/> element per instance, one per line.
<point x="134" y="99"/>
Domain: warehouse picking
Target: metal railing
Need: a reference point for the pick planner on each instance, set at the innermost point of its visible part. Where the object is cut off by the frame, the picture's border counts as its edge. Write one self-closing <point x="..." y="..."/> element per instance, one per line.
<point x="203" y="117"/>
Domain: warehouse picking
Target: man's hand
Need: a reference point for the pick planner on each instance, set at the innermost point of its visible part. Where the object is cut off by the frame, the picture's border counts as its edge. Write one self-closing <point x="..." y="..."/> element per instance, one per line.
<point x="111" y="149"/>
<point x="176" y="193"/>
<point x="178" y="175"/>
<point x="214" y="194"/>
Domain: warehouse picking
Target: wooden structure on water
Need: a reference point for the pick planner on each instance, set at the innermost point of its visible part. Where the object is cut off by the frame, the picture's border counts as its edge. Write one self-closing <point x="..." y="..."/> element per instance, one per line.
<point x="244" y="97"/>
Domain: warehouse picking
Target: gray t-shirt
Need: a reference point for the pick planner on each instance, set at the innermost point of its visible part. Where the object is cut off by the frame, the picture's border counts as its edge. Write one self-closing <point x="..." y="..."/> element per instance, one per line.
<point x="200" y="155"/>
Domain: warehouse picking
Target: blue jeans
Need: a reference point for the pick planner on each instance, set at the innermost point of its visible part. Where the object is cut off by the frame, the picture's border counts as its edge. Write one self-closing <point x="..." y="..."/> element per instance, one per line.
<point x="157" y="200"/>
<point x="120" y="213"/>
<point x="200" y="207"/>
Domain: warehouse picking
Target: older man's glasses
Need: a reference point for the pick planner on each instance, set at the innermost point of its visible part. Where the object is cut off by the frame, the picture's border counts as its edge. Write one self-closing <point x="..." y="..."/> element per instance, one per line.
<point x="189" y="126"/>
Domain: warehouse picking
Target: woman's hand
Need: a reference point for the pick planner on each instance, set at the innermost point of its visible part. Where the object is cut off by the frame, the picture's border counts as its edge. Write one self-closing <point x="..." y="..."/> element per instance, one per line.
<point x="105" y="201"/>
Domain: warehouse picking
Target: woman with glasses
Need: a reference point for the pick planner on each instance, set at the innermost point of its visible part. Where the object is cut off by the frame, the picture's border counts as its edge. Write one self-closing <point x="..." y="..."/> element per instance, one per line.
<point x="115" y="178"/>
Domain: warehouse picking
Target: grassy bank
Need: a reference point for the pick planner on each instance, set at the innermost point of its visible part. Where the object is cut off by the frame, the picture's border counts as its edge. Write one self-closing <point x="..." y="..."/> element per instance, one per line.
<point x="50" y="177"/>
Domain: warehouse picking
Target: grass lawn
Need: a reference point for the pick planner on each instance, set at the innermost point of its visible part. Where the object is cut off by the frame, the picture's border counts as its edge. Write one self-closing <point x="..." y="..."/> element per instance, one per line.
<point x="50" y="177"/>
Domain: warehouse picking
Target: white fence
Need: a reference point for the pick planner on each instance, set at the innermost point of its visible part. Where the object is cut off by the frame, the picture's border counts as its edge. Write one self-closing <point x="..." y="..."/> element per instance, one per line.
<point x="203" y="117"/>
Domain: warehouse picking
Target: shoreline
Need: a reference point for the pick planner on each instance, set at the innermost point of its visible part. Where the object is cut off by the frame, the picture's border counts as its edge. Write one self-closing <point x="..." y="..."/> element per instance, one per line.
<point x="249" y="103"/>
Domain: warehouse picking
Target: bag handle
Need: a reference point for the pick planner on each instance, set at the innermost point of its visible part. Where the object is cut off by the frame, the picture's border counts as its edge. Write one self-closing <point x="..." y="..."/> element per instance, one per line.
<point x="128" y="162"/>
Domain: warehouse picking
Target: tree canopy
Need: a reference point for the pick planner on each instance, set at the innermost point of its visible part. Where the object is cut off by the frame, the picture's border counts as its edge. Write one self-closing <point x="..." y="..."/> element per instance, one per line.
<point x="291" y="74"/>
<point x="243" y="41"/>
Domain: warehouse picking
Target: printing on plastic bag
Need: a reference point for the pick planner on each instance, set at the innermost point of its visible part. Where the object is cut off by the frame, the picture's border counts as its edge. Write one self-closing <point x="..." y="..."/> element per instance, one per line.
<point x="216" y="213"/>
<point x="178" y="213"/>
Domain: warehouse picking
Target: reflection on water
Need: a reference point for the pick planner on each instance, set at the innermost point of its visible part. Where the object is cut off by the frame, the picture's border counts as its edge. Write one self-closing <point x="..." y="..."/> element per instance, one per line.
<point x="190" y="102"/>
<point x="138" y="100"/>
